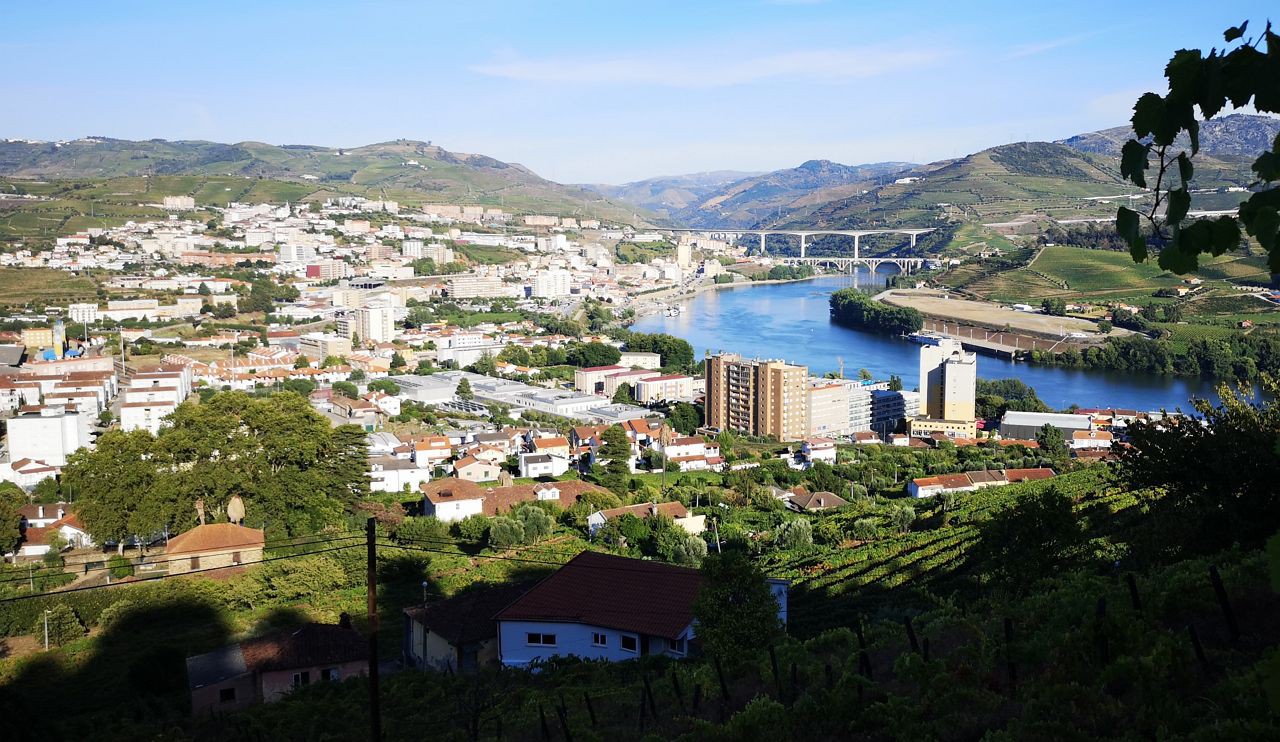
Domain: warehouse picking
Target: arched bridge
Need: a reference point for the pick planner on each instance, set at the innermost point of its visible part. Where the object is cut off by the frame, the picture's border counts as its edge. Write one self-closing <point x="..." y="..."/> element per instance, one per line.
<point x="805" y="234"/>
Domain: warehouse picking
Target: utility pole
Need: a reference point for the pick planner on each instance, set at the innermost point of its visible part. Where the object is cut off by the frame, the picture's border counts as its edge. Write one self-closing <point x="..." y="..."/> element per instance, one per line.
<point x="715" y="526"/>
<point x="375" y="711"/>
<point x="46" y="631"/>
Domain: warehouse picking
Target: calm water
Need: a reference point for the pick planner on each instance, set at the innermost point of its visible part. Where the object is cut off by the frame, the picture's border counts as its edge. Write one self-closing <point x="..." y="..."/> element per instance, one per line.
<point x="792" y="321"/>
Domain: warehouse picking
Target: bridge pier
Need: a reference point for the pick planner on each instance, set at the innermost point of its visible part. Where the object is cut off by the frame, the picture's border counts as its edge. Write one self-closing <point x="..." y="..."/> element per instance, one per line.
<point x="802" y="245"/>
<point x="762" y="250"/>
<point x="913" y="239"/>
<point x="856" y="247"/>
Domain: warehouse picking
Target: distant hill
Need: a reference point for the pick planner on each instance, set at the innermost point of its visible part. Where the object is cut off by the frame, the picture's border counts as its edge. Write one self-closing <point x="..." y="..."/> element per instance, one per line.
<point x="1237" y="135"/>
<point x="755" y="199"/>
<point x="1025" y="181"/>
<point x="404" y="170"/>
<point x="668" y="194"/>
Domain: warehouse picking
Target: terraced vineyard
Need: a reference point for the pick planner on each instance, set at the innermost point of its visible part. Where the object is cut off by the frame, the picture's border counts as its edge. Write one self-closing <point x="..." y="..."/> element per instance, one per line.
<point x="833" y="585"/>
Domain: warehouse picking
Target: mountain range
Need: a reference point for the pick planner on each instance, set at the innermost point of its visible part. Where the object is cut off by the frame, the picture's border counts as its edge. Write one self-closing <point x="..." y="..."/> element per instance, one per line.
<point x="1077" y="177"/>
<point x="404" y="170"/>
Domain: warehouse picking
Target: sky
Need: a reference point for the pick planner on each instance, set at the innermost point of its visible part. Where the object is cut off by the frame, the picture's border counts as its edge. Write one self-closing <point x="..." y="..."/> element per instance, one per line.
<point x="605" y="91"/>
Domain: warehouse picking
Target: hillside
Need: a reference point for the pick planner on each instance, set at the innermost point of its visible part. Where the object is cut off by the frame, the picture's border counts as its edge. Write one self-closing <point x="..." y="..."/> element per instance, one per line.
<point x="752" y="199"/>
<point x="1025" y="181"/>
<point x="1237" y="135"/>
<point x="665" y="195"/>
<point x="405" y="170"/>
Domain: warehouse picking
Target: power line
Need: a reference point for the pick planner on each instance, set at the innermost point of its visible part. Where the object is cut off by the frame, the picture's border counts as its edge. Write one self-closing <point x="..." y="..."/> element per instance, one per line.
<point x="183" y="574"/>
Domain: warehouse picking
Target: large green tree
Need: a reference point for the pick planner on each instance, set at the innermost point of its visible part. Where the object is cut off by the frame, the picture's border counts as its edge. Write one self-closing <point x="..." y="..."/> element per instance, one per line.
<point x="615" y="449"/>
<point x="735" y="610"/>
<point x="11" y="498"/>
<point x="1246" y="71"/>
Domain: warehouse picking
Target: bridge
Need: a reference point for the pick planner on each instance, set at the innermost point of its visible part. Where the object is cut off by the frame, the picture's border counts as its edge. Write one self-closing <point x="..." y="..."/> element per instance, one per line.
<point x="848" y="265"/>
<point x="804" y="235"/>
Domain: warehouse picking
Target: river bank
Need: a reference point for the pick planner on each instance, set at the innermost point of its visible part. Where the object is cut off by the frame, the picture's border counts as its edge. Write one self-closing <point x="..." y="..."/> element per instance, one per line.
<point x="792" y="321"/>
<point x="646" y="305"/>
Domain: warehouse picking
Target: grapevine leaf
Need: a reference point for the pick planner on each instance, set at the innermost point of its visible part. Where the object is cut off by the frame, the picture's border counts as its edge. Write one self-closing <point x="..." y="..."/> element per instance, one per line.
<point x="1235" y="32"/>
<point x="1185" y="169"/>
<point x="1179" y="205"/>
<point x="1129" y="228"/>
<point x="1148" y="114"/>
<point x="1177" y="256"/>
<point x="1226" y="234"/>
<point x="1267" y="166"/>
<point x="1210" y="96"/>
<point x="1183" y="73"/>
<point x="1134" y="163"/>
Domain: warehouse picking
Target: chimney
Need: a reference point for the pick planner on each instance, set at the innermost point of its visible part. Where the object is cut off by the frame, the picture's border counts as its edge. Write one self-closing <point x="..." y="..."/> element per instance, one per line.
<point x="40" y="511"/>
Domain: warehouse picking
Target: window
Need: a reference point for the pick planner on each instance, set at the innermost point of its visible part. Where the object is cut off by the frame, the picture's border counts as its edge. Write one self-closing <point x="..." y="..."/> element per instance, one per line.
<point x="540" y="640"/>
<point x="330" y="673"/>
<point x="599" y="640"/>
<point x="195" y="562"/>
<point x="235" y="557"/>
<point x="226" y="695"/>
<point x="679" y="646"/>
<point x="628" y="643"/>
<point x="301" y="678"/>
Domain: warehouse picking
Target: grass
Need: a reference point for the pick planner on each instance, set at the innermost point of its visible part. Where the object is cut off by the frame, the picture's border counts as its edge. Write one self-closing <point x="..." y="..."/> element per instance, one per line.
<point x="43" y="286"/>
<point x="486" y="255"/>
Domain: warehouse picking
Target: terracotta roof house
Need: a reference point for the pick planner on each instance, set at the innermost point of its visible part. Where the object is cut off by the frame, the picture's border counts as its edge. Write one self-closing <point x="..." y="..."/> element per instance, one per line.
<point x="212" y="546"/>
<point x="601" y="606"/>
<point x="1029" y="475"/>
<point x="453" y="499"/>
<point x="677" y="512"/>
<point x="268" y="667"/>
<point x="815" y="501"/>
<point x="476" y="470"/>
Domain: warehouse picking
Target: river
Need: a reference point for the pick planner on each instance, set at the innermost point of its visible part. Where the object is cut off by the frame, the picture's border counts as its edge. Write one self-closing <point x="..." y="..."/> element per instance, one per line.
<point x="791" y="321"/>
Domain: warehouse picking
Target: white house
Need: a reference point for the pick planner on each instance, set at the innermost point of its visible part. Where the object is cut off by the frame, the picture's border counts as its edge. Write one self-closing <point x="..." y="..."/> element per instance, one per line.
<point x="453" y="500"/>
<point x="818" y="449"/>
<point x="147" y="416"/>
<point x="27" y="473"/>
<point x="606" y="607"/>
<point x="391" y="474"/>
<point x="677" y="512"/>
<point x="476" y="470"/>
<point x="534" y="465"/>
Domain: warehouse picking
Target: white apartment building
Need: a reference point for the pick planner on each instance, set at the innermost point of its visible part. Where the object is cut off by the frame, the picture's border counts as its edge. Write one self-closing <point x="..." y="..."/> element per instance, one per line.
<point x="86" y="313"/>
<point x="551" y="284"/>
<point x="292" y="253"/>
<point x="374" y="324"/>
<point x="318" y="346"/>
<point x="49" y="435"/>
<point x="473" y="286"/>
<point x="672" y="388"/>
<point x="179" y="203"/>
<point x="144" y="415"/>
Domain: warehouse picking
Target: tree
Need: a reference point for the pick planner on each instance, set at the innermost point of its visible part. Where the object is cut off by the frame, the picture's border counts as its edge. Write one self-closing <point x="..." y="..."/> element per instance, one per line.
<point x="690" y="550"/>
<point x="464" y="390"/>
<point x="685" y="418"/>
<point x="895" y="383"/>
<point x="422" y="528"/>
<point x="1054" y="307"/>
<point x="735" y="610"/>
<point x="1206" y="83"/>
<point x="204" y="289"/>
<point x="615" y="449"/>
<point x="224" y="310"/>
<point x="586" y="355"/>
<point x="505" y="532"/>
<point x="397" y="360"/>
<point x="1033" y="538"/>
<point x="796" y="533"/>
<point x="536" y="522"/>
<point x="864" y="374"/>
<point x="1053" y="443"/>
<point x="624" y="394"/>
<point x="357" y="374"/>
<point x="1104" y="326"/>
<point x="485" y="365"/>
<point x="345" y="389"/>
<point x="11" y="499"/>
<point x="62" y="623"/>
<point x="384" y="385"/>
<point x="903" y="516"/>
<point x="302" y="362"/>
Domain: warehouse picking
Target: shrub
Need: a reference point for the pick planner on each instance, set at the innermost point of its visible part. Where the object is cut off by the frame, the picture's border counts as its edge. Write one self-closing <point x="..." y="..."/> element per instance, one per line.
<point x="424" y="528"/>
<point x="827" y="531"/>
<point x="865" y="529"/>
<point x="62" y="623"/>
<point x="505" y="532"/>
<point x="115" y="612"/>
<point x="690" y="550"/>
<point x="794" y="534"/>
<point x="120" y="567"/>
<point x="472" y="528"/>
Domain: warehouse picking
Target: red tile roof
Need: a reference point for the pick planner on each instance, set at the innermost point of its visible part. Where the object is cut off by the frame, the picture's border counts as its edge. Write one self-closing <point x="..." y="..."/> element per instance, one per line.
<point x="214" y="537"/>
<point x="308" y="646"/>
<point x="645" y="509"/>
<point x="501" y="499"/>
<point x="613" y="592"/>
<point x="1026" y="475"/>
<point x="468" y="617"/>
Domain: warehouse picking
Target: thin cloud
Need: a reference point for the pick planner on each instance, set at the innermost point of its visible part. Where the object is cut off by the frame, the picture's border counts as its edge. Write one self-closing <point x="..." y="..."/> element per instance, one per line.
<point x="1040" y="47"/>
<point x="703" y="71"/>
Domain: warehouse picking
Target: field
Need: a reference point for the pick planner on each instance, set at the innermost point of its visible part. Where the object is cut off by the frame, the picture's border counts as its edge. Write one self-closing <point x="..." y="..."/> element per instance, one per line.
<point x="980" y="313"/>
<point x="41" y="286"/>
<point x="1076" y="273"/>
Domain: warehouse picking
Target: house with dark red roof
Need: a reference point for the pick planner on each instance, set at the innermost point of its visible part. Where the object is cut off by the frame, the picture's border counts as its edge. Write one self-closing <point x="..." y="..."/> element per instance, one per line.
<point x="269" y="667"/>
<point x="606" y="607"/>
<point x="457" y="633"/>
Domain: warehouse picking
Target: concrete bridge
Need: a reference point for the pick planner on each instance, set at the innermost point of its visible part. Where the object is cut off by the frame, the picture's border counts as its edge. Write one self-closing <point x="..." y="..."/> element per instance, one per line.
<point x="848" y="265"/>
<point x="803" y="234"/>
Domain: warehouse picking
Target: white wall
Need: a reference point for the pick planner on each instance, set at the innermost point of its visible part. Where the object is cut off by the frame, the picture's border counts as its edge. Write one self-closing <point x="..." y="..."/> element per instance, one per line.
<point x="571" y="639"/>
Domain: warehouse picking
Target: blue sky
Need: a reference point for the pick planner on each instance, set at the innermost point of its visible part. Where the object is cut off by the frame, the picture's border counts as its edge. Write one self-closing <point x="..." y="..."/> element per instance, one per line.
<point x="602" y="91"/>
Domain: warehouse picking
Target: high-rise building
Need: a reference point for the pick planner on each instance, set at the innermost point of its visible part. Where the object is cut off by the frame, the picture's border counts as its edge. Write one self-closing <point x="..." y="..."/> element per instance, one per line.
<point x="550" y="284"/>
<point x="757" y="397"/>
<point x="890" y="408"/>
<point x="948" y="381"/>
<point x="374" y="324"/>
<point x="684" y="254"/>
